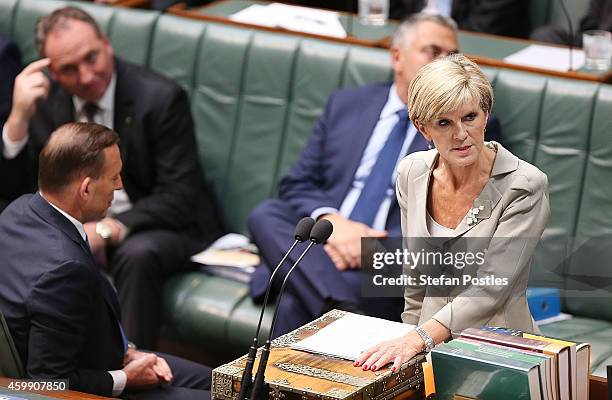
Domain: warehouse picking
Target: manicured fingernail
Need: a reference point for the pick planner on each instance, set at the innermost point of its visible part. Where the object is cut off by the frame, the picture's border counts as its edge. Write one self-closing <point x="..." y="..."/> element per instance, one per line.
<point x="393" y="369"/>
<point x="365" y="367"/>
<point x="373" y="368"/>
<point x="356" y="363"/>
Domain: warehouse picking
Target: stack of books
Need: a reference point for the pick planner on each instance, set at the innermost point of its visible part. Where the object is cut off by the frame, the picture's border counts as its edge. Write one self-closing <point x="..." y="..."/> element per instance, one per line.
<point x="499" y="363"/>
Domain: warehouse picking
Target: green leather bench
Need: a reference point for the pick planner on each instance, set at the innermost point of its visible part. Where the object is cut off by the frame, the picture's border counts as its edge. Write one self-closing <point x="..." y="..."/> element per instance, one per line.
<point x="255" y="96"/>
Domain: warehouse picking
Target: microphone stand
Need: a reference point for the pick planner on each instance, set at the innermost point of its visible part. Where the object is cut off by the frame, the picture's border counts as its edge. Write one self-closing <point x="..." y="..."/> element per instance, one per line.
<point x="321" y="231"/>
<point x="258" y="393"/>
<point x="303" y="229"/>
<point x="247" y="376"/>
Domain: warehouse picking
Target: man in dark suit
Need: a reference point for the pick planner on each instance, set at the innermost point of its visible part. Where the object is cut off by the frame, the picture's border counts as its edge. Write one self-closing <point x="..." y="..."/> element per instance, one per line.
<point x="331" y="175"/>
<point x="599" y="16"/>
<point x="166" y="212"/>
<point x="500" y="17"/>
<point x="62" y="312"/>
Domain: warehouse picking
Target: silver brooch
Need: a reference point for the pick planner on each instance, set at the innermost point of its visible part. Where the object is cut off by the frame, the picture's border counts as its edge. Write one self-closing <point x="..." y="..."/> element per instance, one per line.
<point x="472" y="216"/>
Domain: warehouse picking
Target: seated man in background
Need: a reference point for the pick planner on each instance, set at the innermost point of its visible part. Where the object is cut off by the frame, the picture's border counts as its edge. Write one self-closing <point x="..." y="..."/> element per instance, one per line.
<point x="61" y="311"/>
<point x="499" y="17"/>
<point x="166" y="212"/>
<point x="345" y="173"/>
<point x="599" y="16"/>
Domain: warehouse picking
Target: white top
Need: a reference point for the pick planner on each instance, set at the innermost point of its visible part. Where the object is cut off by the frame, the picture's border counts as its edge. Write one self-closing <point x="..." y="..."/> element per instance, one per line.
<point x="437" y="230"/>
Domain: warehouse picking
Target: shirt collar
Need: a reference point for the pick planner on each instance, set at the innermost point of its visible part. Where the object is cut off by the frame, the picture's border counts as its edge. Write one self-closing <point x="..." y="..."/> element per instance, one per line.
<point x="393" y="105"/>
<point x="77" y="224"/>
<point x="106" y="101"/>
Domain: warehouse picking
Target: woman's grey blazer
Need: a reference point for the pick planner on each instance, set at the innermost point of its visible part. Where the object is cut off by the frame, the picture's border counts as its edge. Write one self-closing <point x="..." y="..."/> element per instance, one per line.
<point x="513" y="212"/>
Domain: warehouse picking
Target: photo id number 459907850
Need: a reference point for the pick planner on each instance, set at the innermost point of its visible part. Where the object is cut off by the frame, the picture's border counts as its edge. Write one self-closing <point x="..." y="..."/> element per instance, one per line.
<point x="36" y="385"/>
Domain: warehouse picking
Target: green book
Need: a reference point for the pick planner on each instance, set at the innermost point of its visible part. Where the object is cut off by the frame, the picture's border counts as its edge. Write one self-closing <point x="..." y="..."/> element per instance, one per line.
<point x="482" y="371"/>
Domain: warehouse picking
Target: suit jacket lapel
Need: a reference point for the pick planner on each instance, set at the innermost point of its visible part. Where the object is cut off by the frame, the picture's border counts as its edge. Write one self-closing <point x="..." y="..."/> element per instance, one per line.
<point x="487" y="200"/>
<point x="63" y="108"/>
<point x="51" y="215"/>
<point x="124" y="107"/>
<point x="421" y="185"/>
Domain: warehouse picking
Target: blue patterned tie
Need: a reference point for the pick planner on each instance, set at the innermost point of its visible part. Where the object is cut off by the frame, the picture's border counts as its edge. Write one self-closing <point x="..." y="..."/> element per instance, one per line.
<point x="123" y="338"/>
<point x="375" y="189"/>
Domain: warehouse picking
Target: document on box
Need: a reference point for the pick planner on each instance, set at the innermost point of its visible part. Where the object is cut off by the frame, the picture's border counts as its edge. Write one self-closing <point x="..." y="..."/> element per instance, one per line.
<point x="348" y="336"/>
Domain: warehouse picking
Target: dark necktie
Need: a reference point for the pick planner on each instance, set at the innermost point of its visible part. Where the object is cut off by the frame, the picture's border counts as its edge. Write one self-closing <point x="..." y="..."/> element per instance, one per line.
<point x="90" y="110"/>
<point x="375" y="189"/>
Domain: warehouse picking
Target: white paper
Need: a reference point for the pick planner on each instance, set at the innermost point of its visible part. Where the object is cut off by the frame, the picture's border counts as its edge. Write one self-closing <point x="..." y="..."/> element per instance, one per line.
<point x="309" y="20"/>
<point x="348" y="336"/>
<point x="231" y="250"/>
<point x="257" y="15"/>
<point x="547" y="57"/>
<point x="556" y="318"/>
<point x="227" y="258"/>
<point x="295" y="18"/>
<point x="230" y="241"/>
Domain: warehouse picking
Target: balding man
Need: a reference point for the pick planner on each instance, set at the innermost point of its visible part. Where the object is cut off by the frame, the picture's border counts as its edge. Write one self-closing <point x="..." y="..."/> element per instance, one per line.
<point x="61" y="311"/>
<point x="166" y="211"/>
<point x="360" y="130"/>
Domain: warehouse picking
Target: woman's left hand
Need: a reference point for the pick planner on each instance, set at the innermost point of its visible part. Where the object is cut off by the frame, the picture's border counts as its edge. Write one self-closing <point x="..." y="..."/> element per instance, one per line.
<point x="397" y="351"/>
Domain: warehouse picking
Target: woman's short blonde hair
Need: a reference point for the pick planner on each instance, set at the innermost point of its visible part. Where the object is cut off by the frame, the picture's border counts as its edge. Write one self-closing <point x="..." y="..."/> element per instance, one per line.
<point x="444" y="85"/>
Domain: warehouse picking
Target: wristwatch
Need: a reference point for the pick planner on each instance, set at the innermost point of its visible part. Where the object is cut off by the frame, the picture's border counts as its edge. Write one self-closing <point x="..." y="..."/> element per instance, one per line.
<point x="104" y="230"/>
<point x="429" y="343"/>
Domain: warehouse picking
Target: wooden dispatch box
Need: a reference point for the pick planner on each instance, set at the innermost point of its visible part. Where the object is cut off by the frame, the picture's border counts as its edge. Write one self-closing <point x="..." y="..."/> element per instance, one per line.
<point x="297" y="375"/>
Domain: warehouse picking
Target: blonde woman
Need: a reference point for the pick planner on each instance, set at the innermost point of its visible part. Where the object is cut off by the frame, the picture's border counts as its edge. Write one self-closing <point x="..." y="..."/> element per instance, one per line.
<point x="464" y="187"/>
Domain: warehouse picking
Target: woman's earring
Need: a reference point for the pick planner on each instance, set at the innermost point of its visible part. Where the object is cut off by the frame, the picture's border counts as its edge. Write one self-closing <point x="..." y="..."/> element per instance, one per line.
<point x="429" y="146"/>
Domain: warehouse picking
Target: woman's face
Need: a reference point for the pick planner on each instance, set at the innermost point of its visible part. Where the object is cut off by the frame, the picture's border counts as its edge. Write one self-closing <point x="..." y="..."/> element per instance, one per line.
<point x="458" y="135"/>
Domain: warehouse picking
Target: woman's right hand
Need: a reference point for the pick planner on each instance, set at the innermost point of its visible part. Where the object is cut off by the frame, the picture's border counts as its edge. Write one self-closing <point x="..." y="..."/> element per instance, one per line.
<point x="397" y="351"/>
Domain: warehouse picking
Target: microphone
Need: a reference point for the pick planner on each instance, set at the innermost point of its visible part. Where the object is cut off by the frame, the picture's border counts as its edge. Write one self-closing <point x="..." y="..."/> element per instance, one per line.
<point x="570" y="34"/>
<point x="302" y="231"/>
<point x="321" y="231"/>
